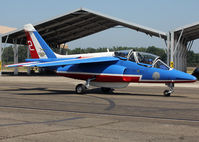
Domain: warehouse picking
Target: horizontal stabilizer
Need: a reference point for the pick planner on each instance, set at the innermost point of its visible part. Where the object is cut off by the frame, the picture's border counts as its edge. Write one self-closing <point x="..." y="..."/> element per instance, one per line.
<point x="20" y="64"/>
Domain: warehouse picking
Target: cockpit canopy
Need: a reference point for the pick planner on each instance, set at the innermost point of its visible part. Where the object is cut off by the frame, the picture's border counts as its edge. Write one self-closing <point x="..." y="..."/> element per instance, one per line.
<point x="142" y="58"/>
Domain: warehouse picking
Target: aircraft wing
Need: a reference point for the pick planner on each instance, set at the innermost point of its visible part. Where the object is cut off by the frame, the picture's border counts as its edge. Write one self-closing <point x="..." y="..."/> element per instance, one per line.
<point x="67" y="62"/>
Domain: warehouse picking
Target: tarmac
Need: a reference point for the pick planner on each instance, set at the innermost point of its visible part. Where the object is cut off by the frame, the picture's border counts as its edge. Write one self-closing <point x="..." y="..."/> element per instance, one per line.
<point x="46" y="109"/>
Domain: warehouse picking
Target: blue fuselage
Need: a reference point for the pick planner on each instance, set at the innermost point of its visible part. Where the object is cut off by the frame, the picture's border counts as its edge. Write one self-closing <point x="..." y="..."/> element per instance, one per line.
<point x="124" y="71"/>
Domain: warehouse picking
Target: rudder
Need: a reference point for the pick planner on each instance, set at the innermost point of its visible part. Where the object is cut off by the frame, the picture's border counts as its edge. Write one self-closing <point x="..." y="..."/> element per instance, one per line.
<point x="37" y="46"/>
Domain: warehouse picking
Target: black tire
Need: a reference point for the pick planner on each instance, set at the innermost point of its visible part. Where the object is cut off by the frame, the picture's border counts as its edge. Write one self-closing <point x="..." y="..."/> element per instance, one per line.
<point x="106" y="90"/>
<point x="80" y="89"/>
<point x="167" y="93"/>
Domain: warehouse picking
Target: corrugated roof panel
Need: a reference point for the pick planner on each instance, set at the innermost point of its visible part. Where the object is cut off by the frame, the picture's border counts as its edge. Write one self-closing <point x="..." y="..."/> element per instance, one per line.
<point x="190" y="32"/>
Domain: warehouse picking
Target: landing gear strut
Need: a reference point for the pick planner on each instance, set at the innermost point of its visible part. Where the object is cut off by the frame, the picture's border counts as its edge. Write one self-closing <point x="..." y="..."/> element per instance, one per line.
<point x="167" y="93"/>
<point x="81" y="88"/>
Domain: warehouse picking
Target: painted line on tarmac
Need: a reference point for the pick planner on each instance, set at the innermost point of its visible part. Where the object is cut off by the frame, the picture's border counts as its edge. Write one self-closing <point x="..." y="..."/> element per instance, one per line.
<point x="43" y="122"/>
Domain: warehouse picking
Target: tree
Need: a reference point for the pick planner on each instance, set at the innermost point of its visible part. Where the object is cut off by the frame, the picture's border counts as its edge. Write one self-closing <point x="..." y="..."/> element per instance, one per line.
<point x="157" y="51"/>
<point x="8" y="55"/>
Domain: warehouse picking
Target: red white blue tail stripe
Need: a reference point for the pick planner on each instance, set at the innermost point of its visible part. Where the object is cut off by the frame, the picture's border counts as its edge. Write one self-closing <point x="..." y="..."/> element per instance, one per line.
<point x="37" y="46"/>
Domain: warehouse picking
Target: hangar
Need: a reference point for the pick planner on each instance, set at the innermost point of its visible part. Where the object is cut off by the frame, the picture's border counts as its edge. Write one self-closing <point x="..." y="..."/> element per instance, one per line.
<point x="74" y="25"/>
<point x="180" y="41"/>
<point x="84" y="22"/>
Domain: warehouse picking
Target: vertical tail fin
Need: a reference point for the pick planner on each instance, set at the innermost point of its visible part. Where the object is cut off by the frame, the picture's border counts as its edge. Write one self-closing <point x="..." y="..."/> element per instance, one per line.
<point x="37" y="46"/>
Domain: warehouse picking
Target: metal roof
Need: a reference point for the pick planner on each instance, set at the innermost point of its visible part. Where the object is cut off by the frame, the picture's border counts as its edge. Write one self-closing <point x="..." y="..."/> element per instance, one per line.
<point x="75" y="25"/>
<point x="190" y="32"/>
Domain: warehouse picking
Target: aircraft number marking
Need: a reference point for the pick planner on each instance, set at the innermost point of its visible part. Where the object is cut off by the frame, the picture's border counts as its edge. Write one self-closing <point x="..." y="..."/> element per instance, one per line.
<point x="30" y="45"/>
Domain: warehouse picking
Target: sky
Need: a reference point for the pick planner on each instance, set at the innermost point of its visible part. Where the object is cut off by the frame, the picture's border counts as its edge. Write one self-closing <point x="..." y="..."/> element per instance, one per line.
<point x="162" y="15"/>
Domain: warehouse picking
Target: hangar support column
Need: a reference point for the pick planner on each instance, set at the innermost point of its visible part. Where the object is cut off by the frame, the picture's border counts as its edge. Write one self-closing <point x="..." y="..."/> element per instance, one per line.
<point x="15" y="49"/>
<point x="168" y="47"/>
<point x="0" y="55"/>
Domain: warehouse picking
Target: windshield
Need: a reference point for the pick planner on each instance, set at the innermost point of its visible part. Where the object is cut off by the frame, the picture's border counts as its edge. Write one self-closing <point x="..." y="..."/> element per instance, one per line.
<point x="123" y="53"/>
<point x="146" y="58"/>
<point x="161" y="65"/>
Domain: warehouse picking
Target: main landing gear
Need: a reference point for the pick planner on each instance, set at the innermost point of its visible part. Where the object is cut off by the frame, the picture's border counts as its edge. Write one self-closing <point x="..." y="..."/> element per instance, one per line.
<point x="81" y="88"/>
<point x="167" y="93"/>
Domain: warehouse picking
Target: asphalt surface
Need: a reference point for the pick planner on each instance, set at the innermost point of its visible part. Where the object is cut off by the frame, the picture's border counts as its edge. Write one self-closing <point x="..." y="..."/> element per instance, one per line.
<point x="46" y="109"/>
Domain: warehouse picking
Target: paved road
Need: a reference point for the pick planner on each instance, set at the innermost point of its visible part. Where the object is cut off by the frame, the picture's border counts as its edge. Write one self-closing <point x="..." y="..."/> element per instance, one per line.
<point x="47" y="109"/>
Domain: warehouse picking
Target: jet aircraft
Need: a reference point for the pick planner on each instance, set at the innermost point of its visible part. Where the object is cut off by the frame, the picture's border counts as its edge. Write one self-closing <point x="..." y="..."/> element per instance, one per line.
<point x="107" y="70"/>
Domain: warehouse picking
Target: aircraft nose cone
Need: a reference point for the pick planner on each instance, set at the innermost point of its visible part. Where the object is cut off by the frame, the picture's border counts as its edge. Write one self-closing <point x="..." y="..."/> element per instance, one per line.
<point x="184" y="77"/>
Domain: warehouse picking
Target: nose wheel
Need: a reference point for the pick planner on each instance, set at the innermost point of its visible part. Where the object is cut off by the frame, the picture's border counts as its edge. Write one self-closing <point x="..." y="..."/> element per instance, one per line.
<point x="168" y="93"/>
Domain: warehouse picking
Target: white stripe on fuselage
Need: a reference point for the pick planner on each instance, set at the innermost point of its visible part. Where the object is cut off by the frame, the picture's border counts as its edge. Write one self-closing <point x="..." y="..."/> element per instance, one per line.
<point x="108" y="74"/>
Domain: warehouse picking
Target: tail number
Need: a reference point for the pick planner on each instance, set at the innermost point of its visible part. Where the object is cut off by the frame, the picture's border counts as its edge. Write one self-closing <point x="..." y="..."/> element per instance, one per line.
<point x="30" y="45"/>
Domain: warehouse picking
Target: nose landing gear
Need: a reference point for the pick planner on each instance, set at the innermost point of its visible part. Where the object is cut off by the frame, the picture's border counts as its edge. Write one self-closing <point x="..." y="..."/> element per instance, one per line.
<point x="167" y="93"/>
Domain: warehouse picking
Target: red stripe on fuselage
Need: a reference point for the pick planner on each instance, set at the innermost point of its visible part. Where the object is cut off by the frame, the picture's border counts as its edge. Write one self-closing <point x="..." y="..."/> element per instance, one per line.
<point x="102" y="78"/>
<point x="31" y="46"/>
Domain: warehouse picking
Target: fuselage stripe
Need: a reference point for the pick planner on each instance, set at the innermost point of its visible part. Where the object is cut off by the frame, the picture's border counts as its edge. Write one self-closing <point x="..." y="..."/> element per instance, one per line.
<point x="139" y="77"/>
<point x="87" y="73"/>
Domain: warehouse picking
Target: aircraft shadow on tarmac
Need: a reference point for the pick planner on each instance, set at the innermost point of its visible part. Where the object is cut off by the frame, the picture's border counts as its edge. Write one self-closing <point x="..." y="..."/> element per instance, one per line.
<point x="46" y="91"/>
<point x="98" y="91"/>
<point x="41" y="91"/>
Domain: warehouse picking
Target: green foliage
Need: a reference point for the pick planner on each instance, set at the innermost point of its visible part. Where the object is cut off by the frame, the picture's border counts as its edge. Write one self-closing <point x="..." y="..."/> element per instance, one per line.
<point x="8" y="55"/>
<point x="22" y="50"/>
<point x="157" y="51"/>
<point x="192" y="59"/>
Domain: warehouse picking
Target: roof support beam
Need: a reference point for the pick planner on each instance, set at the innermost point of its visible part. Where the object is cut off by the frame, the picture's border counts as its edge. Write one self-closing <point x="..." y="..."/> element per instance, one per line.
<point x="84" y="33"/>
<point x="67" y="27"/>
<point x="41" y="29"/>
<point x="89" y="27"/>
<point x="62" y="22"/>
<point x="176" y="46"/>
<point x="188" y="33"/>
<point x="78" y="33"/>
<point x="192" y="36"/>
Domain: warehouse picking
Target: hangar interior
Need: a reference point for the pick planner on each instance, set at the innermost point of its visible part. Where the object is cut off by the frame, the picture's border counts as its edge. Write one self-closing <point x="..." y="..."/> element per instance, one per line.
<point x="84" y="22"/>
